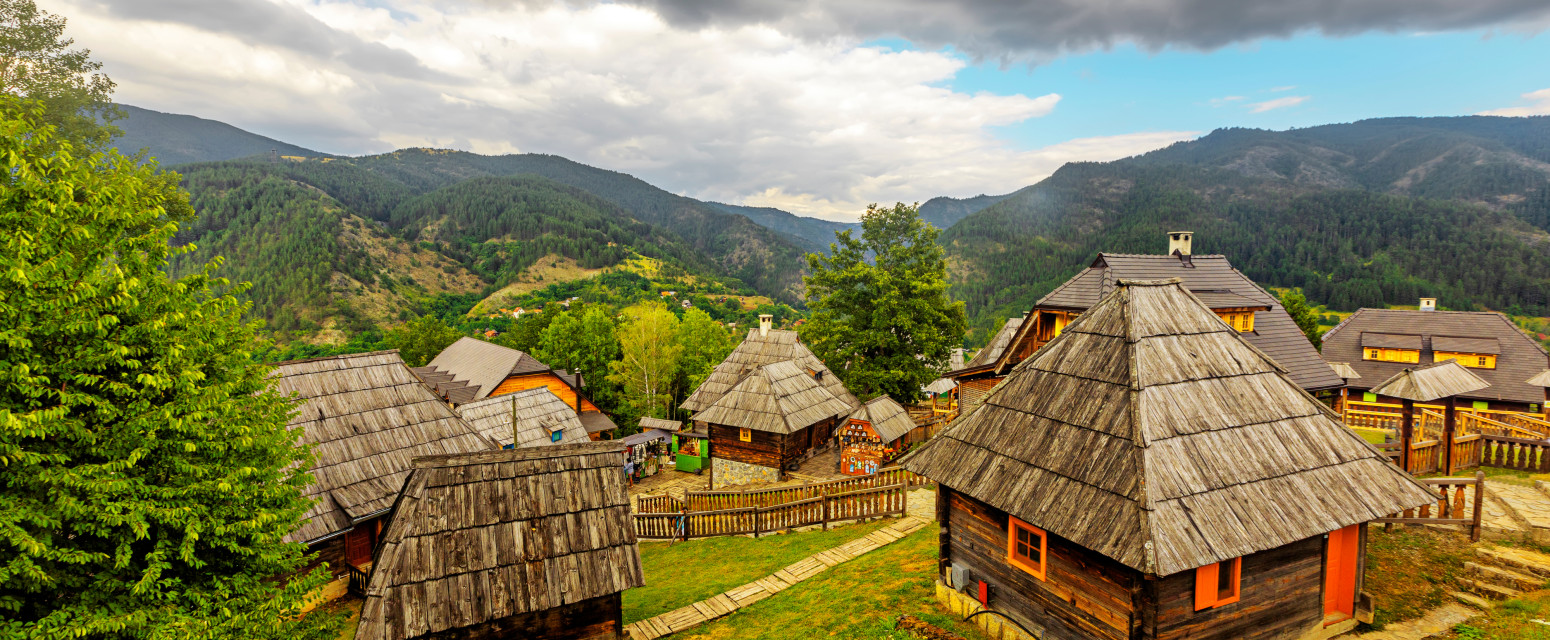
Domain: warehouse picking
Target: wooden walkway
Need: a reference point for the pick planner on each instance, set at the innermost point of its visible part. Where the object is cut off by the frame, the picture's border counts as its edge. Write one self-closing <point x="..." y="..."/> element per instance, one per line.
<point x="739" y="597"/>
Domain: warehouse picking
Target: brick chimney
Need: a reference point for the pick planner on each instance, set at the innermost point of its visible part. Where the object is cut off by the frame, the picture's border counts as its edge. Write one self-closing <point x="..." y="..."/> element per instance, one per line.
<point x="765" y="321"/>
<point x="1179" y="242"/>
<point x="1428" y="304"/>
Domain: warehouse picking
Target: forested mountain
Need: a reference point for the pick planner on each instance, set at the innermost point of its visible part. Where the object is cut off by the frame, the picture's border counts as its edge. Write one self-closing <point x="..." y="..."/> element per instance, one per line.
<point x="177" y="139"/>
<point x="812" y="234"/>
<point x="943" y="212"/>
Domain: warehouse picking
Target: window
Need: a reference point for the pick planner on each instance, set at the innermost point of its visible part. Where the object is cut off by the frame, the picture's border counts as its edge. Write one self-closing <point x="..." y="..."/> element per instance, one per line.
<point x="555" y="436"/>
<point x="745" y="435"/>
<point x="1472" y="360"/>
<point x="1243" y="321"/>
<point x="1368" y="396"/>
<point x="1391" y="355"/>
<point x="1217" y="584"/>
<point x="1026" y="547"/>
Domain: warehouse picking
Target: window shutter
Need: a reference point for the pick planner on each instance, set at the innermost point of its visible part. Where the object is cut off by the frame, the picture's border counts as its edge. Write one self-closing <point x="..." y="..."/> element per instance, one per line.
<point x="1205" y="586"/>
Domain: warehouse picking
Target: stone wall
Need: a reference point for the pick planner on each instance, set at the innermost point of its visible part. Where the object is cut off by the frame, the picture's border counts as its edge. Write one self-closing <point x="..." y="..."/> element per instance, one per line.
<point x="726" y="473"/>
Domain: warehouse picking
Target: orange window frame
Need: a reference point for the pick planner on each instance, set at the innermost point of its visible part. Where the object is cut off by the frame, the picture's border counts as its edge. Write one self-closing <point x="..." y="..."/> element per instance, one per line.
<point x="1208" y="592"/>
<point x="1037" y="568"/>
<point x="746" y="435"/>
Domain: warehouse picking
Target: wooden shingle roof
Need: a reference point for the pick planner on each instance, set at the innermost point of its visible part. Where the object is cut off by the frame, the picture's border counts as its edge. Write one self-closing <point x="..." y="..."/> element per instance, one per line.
<point x="482" y="365"/>
<point x="1520" y="357"/>
<point x="537" y="413"/>
<point x="1429" y="382"/>
<point x="758" y="350"/>
<point x="648" y="422"/>
<point x="997" y="346"/>
<point x="1151" y="432"/>
<point x="779" y="397"/>
<point x="481" y="537"/>
<point x="888" y="419"/>
<point x="368" y="416"/>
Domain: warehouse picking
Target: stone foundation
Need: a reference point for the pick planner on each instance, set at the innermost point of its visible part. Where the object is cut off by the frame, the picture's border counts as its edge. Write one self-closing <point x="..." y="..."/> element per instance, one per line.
<point x="993" y="624"/>
<point x="726" y="473"/>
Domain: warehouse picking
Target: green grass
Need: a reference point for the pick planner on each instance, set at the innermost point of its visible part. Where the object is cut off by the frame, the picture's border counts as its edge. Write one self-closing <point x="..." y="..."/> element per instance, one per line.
<point x="1511" y="619"/>
<point x="1411" y="570"/>
<point x="682" y="573"/>
<point x="859" y="599"/>
<point x="1375" y="436"/>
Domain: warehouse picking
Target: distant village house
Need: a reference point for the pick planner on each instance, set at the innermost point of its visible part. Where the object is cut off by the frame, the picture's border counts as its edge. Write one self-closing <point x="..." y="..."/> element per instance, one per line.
<point x="470" y="369"/>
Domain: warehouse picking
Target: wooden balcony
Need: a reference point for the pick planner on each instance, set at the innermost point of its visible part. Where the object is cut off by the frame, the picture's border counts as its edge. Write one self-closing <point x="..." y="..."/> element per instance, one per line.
<point x="360" y="576"/>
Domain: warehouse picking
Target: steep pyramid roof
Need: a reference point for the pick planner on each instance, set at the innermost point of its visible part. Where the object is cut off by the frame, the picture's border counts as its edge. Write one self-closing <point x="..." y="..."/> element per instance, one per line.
<point x="887" y="418"/>
<point x="779" y="398"/>
<point x="1154" y="434"/>
<point x="756" y="351"/>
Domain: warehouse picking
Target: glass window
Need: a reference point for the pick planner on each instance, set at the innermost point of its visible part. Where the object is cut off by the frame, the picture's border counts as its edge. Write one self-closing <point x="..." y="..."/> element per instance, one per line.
<point x="746" y="435"/>
<point x="1026" y="547"/>
<point x="1217" y="584"/>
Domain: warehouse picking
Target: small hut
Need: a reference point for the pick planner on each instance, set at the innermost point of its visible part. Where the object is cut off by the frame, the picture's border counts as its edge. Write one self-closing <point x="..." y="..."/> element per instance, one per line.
<point x="523" y="543"/>
<point x="762" y="346"/>
<point x="1150" y="474"/>
<point x="873" y="436"/>
<point x="531" y="418"/>
<point x="771" y="421"/>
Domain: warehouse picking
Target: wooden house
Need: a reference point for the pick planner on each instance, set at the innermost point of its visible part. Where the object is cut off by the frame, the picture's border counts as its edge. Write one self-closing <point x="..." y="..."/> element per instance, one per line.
<point x="366" y="415"/>
<point x="1379" y="343"/>
<point x="762" y="346"/>
<point x="1240" y="303"/>
<point x="774" y="418"/>
<point x="529" y="418"/>
<point x="873" y="436"/>
<point x="523" y="543"/>
<point x="1151" y="474"/>
<point x="471" y="369"/>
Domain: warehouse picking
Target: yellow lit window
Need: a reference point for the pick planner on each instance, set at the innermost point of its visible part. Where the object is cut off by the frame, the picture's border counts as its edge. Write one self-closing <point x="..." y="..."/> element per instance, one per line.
<point x="745" y="435"/>
<point x="1061" y="320"/>
<point x="1243" y="321"/>
<point x="1391" y="355"/>
<point x="1026" y="547"/>
<point x="1475" y="360"/>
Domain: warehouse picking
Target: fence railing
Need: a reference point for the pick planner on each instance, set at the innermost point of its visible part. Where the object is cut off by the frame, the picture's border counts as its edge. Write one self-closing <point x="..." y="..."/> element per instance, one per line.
<point x="818" y="510"/>
<point x="658" y="504"/>
<point x="715" y="500"/>
<point x="1454" y="505"/>
<point x="1522" y="454"/>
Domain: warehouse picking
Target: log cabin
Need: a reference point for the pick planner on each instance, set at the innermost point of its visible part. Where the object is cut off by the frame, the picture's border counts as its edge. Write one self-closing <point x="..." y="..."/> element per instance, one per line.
<point x="529" y="418"/>
<point x="469" y="370"/>
<point x="1150" y="474"/>
<point x="1379" y="343"/>
<point x="873" y="436"/>
<point x="762" y="346"/>
<point x="769" y="422"/>
<point x="1253" y="312"/>
<point x="366" y="415"/>
<point x="522" y="543"/>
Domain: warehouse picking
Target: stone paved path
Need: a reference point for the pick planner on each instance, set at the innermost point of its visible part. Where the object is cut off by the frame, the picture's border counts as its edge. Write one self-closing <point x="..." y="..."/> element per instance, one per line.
<point x="1436" y="621"/>
<point x="733" y="599"/>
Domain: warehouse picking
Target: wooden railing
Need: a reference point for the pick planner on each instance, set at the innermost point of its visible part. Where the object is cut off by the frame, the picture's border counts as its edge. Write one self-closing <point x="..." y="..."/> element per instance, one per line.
<point x="1473" y="422"/>
<point x="1453" y="505"/>
<point x="714" y="500"/>
<point x="1521" y="454"/>
<point x="818" y="510"/>
<point x="658" y="504"/>
<point x="359" y="578"/>
<point x="1425" y="457"/>
<point x="1429" y="418"/>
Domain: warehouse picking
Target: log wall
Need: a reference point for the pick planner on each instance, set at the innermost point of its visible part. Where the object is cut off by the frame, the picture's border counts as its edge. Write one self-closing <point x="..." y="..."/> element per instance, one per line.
<point x="556" y="386"/>
<point x="1280" y="596"/>
<point x="599" y="618"/>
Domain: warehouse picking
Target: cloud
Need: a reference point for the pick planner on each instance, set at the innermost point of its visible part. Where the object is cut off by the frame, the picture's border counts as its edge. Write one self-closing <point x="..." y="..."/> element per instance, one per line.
<point x="1278" y="103"/>
<point x="1285" y="88"/>
<point x="1539" y="105"/>
<point x="1000" y="29"/>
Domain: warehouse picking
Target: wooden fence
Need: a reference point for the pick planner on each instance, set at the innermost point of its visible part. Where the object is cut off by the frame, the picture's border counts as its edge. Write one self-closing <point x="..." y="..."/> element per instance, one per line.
<point x="1429" y="417"/>
<point x="719" y="500"/>
<point x="756" y="520"/>
<point x="658" y="504"/>
<point x="1453" y="505"/>
<point x="1523" y="454"/>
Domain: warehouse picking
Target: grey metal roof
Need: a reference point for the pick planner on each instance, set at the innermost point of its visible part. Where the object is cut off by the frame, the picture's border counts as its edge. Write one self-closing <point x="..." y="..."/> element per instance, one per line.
<point x="484" y="365"/>
<point x="1520" y="359"/>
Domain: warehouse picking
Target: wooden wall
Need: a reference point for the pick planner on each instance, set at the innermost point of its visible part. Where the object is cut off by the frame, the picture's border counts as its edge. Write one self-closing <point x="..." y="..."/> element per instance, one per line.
<point x="599" y="618"/>
<point x="1085" y="594"/>
<point x="973" y="392"/>
<point x="330" y="551"/>
<point x="774" y="450"/>
<point x="1280" y="596"/>
<point x="556" y="386"/>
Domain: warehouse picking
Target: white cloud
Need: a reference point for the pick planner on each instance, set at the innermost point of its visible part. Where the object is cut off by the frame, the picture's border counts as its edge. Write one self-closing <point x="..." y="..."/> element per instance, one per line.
<point x="1225" y="100"/>
<point x="1539" y="105"/>
<point x="1285" y="88"/>
<point x="1278" y="103"/>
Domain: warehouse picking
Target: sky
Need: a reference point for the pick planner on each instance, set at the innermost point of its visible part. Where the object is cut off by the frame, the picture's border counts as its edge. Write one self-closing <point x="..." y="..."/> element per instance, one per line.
<point x="818" y="108"/>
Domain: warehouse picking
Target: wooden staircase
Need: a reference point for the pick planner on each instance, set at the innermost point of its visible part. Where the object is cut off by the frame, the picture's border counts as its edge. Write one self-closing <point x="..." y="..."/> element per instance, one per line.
<point x="1500" y="574"/>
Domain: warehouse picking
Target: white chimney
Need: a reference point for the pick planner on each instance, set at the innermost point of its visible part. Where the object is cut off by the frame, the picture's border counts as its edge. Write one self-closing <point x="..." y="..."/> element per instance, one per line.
<point x="1180" y="241"/>
<point x="1428" y="304"/>
<point x="765" y="320"/>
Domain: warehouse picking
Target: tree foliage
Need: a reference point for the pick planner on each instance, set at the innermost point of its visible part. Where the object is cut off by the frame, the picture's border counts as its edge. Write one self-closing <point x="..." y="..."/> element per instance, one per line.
<point x="149" y="474"/>
<point x="582" y="340"/>
<point x="37" y="63"/>
<point x="885" y="326"/>
<point x="1296" y="305"/>
<point x="648" y="359"/>
<point x="704" y="342"/>
<point x="419" y="341"/>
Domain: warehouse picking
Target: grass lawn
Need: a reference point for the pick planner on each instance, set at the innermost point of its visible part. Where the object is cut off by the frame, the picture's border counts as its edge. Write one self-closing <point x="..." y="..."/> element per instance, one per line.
<point x="682" y="573"/>
<point x="858" y="599"/>
<point x="1411" y="570"/>
<point x="1520" y="619"/>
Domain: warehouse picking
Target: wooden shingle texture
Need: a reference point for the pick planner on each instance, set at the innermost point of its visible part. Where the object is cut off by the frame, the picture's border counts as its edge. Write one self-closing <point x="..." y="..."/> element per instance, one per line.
<point x="944" y="384"/>
<point x="481" y="537"/>
<point x="482" y="365"/>
<point x="1520" y="357"/>
<point x="758" y="350"/>
<point x="998" y="344"/>
<point x="648" y="422"/>
<point x="1429" y="382"/>
<point x="537" y="412"/>
<point x="888" y="419"/>
<point x="779" y="398"/>
<point x="1152" y="433"/>
<point x="368" y="417"/>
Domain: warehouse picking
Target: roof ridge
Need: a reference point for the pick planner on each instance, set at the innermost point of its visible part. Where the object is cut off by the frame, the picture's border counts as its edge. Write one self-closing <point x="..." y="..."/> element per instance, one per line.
<point x="341" y="356"/>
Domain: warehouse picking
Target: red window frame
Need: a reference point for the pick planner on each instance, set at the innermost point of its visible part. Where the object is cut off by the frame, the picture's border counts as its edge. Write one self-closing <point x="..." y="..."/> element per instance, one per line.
<point x="1208" y="584"/>
<point x="1038" y="568"/>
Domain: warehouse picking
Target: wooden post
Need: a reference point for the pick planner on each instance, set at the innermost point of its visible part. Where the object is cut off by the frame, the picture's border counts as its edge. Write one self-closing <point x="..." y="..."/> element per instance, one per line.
<point x="943" y="539"/>
<point x="1406" y="433"/>
<point x="1448" y="414"/>
<point x="1474" y="530"/>
<point x="825" y="504"/>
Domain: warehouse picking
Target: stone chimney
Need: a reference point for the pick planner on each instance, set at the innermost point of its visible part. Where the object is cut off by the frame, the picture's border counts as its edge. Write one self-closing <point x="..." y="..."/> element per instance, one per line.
<point x="1428" y="304"/>
<point x="1179" y="242"/>
<point x="765" y="320"/>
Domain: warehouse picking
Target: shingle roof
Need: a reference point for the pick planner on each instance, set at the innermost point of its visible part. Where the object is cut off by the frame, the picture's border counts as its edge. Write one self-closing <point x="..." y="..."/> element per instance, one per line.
<point x="1151" y="432"/>
<point x="1344" y="370"/>
<point x="368" y="416"/>
<point x="887" y="418"/>
<point x="945" y="384"/>
<point x="998" y="344"/>
<point x="597" y="422"/>
<point x="538" y="413"/>
<point x="779" y="398"/>
<point x="1520" y="358"/>
<point x="483" y="365"/>
<point x="482" y="537"/>
<point x="1220" y="286"/>
<point x="1391" y="340"/>
<point x="757" y="350"/>
<point x="1428" y="382"/>
<point x="648" y="422"/>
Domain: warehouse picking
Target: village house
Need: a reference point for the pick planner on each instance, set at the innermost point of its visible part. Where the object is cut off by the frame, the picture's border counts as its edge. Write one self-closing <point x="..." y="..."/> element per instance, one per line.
<point x="471" y="369"/>
<point x="1256" y="314"/>
<point x="529" y="418"/>
<point x="873" y="436"/>
<point x="525" y="543"/>
<point x="1150" y="474"/>
<point x="365" y="415"/>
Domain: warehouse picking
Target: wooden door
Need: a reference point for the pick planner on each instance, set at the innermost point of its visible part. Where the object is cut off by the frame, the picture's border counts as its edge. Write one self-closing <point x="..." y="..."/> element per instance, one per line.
<point x="1340" y="574"/>
<point x="358" y="544"/>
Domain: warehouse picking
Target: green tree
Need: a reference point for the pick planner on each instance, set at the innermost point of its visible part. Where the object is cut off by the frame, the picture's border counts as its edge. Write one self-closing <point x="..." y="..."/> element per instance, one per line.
<point x="583" y="340"/>
<point x="37" y="63"/>
<point x="419" y="341"/>
<point x="648" y="359"/>
<point x="1296" y="305"/>
<point x="885" y="326"/>
<point x="705" y="344"/>
<point x="149" y="474"/>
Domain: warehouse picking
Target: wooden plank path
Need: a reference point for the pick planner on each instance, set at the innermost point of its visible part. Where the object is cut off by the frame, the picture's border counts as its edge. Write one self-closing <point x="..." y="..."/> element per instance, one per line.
<point x="736" y="598"/>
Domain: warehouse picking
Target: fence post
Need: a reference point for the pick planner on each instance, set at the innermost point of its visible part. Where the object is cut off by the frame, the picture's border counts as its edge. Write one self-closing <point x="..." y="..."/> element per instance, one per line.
<point x="1447" y="436"/>
<point x="1474" y="531"/>
<point x="1406" y="435"/>
<point x="825" y="504"/>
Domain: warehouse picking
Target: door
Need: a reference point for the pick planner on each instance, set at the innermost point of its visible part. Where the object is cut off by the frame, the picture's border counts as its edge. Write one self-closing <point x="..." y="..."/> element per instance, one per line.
<point x="1340" y="574"/>
<point x="358" y="543"/>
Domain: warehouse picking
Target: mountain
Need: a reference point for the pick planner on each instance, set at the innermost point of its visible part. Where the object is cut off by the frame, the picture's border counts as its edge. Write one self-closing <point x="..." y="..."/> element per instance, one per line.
<point x="812" y="234"/>
<point x="178" y="139"/>
<point x="943" y="212"/>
